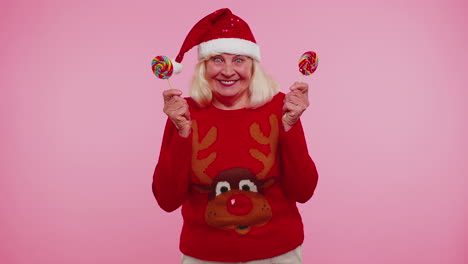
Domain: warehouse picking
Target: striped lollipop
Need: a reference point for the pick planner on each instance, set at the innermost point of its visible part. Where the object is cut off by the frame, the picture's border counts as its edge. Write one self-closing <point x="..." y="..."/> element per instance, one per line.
<point x="308" y="63"/>
<point x="162" y="67"/>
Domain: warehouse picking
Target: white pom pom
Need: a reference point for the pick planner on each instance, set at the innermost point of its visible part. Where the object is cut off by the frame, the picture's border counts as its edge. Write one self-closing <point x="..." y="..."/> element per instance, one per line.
<point x="177" y="66"/>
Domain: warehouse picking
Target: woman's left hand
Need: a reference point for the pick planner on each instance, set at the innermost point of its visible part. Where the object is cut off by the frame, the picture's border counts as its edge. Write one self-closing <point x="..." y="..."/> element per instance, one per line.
<point x="295" y="103"/>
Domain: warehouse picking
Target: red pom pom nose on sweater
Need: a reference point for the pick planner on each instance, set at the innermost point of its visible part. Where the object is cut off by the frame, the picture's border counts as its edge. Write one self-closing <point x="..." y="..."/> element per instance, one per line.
<point x="239" y="204"/>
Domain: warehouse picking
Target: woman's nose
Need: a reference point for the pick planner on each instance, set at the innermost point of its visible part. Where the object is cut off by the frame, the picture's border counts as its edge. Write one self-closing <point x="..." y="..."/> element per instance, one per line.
<point x="228" y="70"/>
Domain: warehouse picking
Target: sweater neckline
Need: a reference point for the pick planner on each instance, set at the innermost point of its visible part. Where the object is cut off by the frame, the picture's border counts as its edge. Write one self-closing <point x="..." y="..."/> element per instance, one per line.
<point x="234" y="112"/>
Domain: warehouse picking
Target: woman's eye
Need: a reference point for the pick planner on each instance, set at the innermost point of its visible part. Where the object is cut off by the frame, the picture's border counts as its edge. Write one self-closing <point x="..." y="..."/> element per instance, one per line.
<point x="217" y="59"/>
<point x="247" y="185"/>
<point x="239" y="60"/>
<point x="222" y="187"/>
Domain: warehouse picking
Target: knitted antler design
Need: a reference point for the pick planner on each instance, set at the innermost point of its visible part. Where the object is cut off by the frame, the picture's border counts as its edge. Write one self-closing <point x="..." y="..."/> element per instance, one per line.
<point x="272" y="140"/>
<point x="199" y="165"/>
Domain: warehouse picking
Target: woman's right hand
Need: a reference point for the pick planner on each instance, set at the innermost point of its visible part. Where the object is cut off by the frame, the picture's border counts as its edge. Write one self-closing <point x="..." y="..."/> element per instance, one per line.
<point x="176" y="108"/>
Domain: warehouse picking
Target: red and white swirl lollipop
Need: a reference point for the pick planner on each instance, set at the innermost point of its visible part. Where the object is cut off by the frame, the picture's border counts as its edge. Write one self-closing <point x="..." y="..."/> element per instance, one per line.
<point x="308" y="63"/>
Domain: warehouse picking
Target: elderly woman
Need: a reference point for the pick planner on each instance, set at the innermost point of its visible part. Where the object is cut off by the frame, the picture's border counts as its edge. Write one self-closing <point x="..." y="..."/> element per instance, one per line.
<point x="234" y="155"/>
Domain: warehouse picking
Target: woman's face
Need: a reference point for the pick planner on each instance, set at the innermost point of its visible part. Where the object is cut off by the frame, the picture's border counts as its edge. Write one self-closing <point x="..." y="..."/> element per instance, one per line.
<point x="229" y="76"/>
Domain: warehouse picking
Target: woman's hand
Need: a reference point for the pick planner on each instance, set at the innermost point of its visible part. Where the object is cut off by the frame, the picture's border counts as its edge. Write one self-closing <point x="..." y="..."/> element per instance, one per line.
<point x="176" y="108"/>
<point x="295" y="103"/>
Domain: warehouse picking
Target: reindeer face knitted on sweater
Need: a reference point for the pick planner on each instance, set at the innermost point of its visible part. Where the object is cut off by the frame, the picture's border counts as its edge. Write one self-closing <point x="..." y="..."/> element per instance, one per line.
<point x="236" y="198"/>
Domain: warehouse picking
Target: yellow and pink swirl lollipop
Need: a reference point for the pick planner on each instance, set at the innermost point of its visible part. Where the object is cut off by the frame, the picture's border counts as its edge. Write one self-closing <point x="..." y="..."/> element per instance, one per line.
<point x="308" y="63"/>
<point x="162" y="67"/>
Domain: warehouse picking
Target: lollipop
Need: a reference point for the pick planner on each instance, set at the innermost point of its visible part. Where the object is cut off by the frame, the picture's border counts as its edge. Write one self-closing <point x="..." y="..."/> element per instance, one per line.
<point x="308" y="63"/>
<point x="162" y="67"/>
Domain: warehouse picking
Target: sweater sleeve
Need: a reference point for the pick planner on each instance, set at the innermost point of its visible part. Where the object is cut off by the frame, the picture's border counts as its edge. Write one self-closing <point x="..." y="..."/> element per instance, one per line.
<point x="299" y="174"/>
<point x="171" y="175"/>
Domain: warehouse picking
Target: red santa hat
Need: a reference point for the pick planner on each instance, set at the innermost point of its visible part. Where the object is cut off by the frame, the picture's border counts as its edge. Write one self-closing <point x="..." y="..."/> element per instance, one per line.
<point x="219" y="32"/>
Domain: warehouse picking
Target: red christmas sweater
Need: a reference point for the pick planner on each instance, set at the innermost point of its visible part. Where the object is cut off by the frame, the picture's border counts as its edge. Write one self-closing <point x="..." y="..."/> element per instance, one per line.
<point x="238" y="177"/>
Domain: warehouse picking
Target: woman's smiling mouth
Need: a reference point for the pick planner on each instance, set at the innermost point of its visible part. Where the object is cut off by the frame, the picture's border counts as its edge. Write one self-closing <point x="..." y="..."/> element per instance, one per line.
<point x="227" y="83"/>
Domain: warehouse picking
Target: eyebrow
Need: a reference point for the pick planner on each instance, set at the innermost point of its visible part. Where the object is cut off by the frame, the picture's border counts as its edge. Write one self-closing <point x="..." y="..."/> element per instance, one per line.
<point x="233" y="58"/>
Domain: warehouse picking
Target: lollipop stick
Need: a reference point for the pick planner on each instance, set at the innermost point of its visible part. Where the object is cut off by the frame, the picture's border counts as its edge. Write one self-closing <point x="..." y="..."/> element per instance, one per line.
<point x="302" y="78"/>
<point x="170" y="86"/>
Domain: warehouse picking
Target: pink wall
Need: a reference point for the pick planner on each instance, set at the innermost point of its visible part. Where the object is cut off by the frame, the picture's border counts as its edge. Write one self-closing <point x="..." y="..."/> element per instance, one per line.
<point x="82" y="122"/>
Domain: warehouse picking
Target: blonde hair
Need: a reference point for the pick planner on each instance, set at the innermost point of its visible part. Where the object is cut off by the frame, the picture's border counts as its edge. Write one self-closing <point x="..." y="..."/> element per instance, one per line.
<point x="261" y="89"/>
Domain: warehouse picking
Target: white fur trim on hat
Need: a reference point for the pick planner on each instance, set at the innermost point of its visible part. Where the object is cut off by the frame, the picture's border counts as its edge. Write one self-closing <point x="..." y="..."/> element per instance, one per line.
<point x="177" y="66"/>
<point x="229" y="45"/>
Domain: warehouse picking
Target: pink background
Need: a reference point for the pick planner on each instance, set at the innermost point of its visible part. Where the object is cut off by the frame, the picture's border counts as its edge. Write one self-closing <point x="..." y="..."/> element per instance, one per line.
<point x="82" y="122"/>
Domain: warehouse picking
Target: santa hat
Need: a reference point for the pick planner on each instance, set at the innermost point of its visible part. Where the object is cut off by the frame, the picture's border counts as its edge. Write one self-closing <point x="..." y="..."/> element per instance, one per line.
<point x="219" y="32"/>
